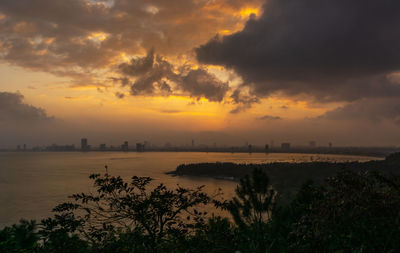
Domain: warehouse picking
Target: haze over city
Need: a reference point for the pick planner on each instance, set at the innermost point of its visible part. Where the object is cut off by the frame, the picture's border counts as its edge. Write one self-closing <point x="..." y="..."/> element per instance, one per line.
<point x="225" y="72"/>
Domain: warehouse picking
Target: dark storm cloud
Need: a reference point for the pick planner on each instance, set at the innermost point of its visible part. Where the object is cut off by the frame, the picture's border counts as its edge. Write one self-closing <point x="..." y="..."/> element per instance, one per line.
<point x="13" y="109"/>
<point x="150" y="73"/>
<point x="373" y="110"/>
<point x="138" y="66"/>
<point x="199" y="83"/>
<point x="154" y="75"/>
<point x="330" y="50"/>
<point x="242" y="101"/>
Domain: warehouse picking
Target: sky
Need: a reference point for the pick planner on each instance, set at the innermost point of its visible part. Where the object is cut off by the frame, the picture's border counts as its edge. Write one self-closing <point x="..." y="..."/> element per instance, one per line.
<point x="216" y="71"/>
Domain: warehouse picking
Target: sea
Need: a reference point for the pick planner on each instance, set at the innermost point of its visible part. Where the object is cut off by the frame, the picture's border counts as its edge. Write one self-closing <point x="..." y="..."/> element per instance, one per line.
<point x="32" y="183"/>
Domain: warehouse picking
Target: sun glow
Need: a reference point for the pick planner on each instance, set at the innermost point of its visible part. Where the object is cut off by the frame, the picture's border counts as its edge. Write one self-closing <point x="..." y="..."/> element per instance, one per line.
<point x="244" y="13"/>
<point x="98" y="36"/>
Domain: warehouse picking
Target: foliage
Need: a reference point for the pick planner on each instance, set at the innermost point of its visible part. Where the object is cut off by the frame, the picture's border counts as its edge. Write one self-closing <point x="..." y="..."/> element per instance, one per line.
<point x="354" y="211"/>
<point x="395" y="157"/>
<point x="253" y="201"/>
<point x="251" y="210"/>
<point x="132" y="210"/>
<point x="19" y="238"/>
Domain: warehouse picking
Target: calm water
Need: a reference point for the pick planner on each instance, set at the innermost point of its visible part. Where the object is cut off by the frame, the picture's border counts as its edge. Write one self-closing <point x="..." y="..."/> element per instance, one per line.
<point x="31" y="184"/>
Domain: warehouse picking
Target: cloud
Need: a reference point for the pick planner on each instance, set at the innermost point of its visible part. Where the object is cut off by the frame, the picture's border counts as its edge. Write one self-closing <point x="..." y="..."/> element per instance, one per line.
<point x="154" y="75"/>
<point x="371" y="110"/>
<point x="41" y="35"/>
<point x="124" y="81"/>
<point x="327" y="50"/>
<point x="170" y="111"/>
<point x="269" y="117"/>
<point x="243" y="101"/>
<point x="138" y="66"/>
<point x="151" y="73"/>
<point x="119" y="95"/>
<point x="199" y="83"/>
<point x="13" y="109"/>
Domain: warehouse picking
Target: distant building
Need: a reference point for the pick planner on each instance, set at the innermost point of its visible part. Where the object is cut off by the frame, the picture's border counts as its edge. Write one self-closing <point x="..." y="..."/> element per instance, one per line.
<point x="24" y="147"/>
<point x="84" y="144"/>
<point x="125" y="146"/>
<point x="250" y="147"/>
<point x="312" y="144"/>
<point x="266" y="147"/>
<point x="285" y="145"/>
<point x="330" y="144"/>
<point x="139" y="147"/>
<point x="36" y="149"/>
<point x="192" y="143"/>
<point x="102" y="147"/>
<point x="60" y="148"/>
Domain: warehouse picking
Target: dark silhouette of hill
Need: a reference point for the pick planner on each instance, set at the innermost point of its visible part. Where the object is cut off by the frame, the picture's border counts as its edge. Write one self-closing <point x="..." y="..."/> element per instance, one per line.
<point x="287" y="177"/>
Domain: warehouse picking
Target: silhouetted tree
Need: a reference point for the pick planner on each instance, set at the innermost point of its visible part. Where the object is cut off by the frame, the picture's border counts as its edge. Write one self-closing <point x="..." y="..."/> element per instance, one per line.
<point x="353" y="212"/>
<point x="254" y="200"/>
<point x="251" y="210"/>
<point x="131" y="208"/>
<point x="19" y="238"/>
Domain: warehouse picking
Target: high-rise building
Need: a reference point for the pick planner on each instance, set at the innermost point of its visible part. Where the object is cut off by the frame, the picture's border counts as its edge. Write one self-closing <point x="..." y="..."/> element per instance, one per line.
<point x="139" y="147"/>
<point x="125" y="146"/>
<point x="285" y="145"/>
<point x="84" y="144"/>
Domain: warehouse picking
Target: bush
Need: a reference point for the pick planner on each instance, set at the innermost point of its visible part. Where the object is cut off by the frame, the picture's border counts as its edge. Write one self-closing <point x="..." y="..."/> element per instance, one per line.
<point x="354" y="212"/>
<point x="351" y="212"/>
<point x="120" y="214"/>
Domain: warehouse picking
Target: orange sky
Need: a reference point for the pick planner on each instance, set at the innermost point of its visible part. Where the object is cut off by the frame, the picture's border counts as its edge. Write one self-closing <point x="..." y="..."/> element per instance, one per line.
<point x="72" y="69"/>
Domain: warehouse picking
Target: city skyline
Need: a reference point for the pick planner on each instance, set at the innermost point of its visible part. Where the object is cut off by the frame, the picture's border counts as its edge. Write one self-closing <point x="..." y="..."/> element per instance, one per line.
<point x="146" y="146"/>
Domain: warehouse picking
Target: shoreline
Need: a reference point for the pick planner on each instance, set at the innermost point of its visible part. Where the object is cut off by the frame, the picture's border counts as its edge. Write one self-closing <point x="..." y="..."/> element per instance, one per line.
<point x="286" y="177"/>
<point x="378" y="155"/>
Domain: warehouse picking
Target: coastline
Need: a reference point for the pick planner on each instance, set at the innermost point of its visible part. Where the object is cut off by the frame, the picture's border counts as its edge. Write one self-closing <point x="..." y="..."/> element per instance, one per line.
<point x="286" y="177"/>
<point x="374" y="152"/>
